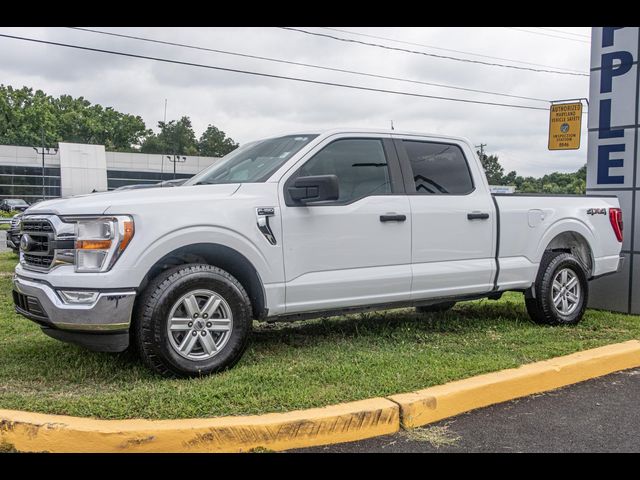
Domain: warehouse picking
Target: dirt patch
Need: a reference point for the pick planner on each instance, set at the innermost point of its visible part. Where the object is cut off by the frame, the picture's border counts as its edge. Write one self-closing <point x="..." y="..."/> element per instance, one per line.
<point x="6" y="447"/>
<point x="438" y="436"/>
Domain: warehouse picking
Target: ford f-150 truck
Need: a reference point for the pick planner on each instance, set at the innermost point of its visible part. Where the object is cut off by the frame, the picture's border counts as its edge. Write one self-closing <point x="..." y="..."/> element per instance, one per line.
<point x="300" y="226"/>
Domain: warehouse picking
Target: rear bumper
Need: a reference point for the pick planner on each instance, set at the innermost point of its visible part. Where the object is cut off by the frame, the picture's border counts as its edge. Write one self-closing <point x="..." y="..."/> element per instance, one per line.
<point x="108" y="317"/>
<point x="618" y="268"/>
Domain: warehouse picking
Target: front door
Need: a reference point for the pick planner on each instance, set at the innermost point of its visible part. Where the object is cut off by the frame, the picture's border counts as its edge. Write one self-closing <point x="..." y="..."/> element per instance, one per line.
<point x="355" y="250"/>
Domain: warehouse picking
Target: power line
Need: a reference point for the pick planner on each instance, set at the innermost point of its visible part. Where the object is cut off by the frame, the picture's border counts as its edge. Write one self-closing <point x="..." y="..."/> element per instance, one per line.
<point x="309" y="65"/>
<point x="548" y="35"/>
<point x="387" y="47"/>
<point x="270" y="75"/>
<point x="563" y="31"/>
<point x="448" y="49"/>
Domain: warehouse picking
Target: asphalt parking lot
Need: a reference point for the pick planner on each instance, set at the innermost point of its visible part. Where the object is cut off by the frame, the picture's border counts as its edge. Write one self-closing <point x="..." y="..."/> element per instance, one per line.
<point x="599" y="415"/>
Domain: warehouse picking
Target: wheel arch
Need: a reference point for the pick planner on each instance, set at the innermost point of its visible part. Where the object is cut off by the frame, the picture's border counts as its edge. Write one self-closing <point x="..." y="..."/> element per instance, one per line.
<point x="221" y="256"/>
<point x="576" y="243"/>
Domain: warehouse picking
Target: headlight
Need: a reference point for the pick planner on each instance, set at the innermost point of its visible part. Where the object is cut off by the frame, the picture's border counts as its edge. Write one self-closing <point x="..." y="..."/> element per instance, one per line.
<point x="100" y="241"/>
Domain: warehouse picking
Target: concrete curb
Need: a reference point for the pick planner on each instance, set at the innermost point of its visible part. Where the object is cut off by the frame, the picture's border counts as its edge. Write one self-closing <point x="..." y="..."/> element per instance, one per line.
<point x="36" y="432"/>
<point x="435" y="403"/>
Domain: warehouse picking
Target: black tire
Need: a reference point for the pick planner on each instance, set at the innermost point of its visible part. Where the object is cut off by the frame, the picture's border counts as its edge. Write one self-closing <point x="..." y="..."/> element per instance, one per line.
<point x="436" y="307"/>
<point x="151" y="331"/>
<point x="541" y="309"/>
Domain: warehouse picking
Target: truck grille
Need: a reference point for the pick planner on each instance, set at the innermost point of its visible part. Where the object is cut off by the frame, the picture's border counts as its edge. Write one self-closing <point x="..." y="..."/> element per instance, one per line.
<point x="40" y="234"/>
<point x="43" y="261"/>
<point x="34" y="226"/>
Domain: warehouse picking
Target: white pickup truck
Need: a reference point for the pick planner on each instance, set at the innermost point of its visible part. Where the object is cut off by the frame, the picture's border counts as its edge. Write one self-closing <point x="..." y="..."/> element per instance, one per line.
<point x="302" y="226"/>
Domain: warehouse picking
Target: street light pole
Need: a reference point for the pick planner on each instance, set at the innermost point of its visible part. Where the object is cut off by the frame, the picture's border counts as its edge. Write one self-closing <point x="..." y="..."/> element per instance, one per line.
<point x="43" y="152"/>
<point x="175" y="159"/>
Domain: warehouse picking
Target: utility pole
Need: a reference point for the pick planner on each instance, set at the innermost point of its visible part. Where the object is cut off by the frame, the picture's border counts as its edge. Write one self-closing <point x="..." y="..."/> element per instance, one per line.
<point x="481" y="147"/>
<point x="162" y="156"/>
<point x="44" y="151"/>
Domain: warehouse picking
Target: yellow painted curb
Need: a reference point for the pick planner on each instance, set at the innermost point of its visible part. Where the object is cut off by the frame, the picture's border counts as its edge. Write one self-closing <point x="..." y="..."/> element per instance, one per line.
<point x="435" y="403"/>
<point x="36" y="432"/>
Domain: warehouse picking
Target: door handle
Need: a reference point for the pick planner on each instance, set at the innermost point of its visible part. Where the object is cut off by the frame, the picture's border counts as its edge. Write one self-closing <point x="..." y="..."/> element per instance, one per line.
<point x="393" y="218"/>
<point x="477" y="216"/>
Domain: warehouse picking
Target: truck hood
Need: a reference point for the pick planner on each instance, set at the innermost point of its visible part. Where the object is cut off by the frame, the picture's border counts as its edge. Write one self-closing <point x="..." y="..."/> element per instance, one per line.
<point x="99" y="203"/>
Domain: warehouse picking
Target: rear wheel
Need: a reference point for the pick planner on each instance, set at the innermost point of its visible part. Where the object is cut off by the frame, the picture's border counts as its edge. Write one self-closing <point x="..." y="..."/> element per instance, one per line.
<point x="561" y="290"/>
<point x="436" y="307"/>
<point x="193" y="320"/>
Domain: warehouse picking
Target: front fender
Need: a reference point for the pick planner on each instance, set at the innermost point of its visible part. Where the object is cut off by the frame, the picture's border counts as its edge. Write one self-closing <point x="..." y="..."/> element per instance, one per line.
<point x="183" y="237"/>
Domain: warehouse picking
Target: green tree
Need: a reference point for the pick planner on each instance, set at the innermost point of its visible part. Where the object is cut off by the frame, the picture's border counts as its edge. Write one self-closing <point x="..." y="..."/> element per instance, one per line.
<point x="215" y="143"/>
<point x="175" y="137"/>
<point x="492" y="168"/>
<point x="25" y="113"/>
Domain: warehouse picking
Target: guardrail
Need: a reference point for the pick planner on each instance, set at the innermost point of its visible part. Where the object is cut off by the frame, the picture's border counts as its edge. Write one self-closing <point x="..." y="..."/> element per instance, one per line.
<point x="5" y="220"/>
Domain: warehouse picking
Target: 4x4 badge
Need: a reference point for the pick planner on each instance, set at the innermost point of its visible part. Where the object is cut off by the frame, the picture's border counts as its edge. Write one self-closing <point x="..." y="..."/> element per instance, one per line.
<point x="597" y="211"/>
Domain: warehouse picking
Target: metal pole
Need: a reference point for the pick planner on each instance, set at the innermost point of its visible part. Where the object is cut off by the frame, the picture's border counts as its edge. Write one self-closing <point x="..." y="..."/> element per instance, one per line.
<point x="481" y="147"/>
<point x="43" y="190"/>
<point x="175" y="160"/>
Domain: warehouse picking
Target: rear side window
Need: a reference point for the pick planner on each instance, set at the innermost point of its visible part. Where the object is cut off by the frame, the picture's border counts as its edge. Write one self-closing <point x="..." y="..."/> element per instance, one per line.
<point x="438" y="168"/>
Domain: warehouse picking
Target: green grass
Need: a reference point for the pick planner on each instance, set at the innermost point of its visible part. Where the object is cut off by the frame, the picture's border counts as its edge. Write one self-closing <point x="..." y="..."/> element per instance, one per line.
<point x="5" y="226"/>
<point x="290" y="366"/>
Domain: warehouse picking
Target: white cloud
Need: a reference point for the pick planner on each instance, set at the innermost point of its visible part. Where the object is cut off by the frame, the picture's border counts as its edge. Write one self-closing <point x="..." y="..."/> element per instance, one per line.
<point x="248" y="107"/>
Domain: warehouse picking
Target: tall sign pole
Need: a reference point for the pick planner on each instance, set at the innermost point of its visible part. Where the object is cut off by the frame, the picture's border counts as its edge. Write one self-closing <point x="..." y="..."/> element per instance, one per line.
<point x="612" y="154"/>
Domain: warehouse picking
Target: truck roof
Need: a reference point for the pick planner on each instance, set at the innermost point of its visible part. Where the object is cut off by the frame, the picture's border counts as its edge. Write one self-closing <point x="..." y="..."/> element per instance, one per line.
<point x="333" y="131"/>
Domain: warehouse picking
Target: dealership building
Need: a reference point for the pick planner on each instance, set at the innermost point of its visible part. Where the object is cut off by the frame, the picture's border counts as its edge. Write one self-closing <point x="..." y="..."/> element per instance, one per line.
<point x="74" y="169"/>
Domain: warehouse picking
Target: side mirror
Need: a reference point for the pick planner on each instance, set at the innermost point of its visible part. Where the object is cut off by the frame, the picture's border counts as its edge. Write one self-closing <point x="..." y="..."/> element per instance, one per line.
<point x="316" y="188"/>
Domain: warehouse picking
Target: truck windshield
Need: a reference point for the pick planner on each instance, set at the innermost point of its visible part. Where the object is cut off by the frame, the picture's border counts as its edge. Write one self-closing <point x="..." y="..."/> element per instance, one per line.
<point x="253" y="162"/>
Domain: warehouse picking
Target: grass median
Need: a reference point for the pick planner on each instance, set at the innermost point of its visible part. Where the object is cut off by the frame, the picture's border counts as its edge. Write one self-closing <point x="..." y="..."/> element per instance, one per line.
<point x="290" y="366"/>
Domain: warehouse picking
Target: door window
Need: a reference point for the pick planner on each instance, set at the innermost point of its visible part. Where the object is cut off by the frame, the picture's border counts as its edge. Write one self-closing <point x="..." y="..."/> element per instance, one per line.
<point x="438" y="168"/>
<point x="359" y="163"/>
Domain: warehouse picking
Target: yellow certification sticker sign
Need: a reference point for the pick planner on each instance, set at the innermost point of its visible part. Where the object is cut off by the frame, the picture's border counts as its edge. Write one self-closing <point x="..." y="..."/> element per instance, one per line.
<point x="565" y="122"/>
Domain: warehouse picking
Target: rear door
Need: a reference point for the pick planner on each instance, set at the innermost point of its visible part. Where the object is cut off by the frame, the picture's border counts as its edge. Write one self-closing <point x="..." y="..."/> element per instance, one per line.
<point x="453" y="218"/>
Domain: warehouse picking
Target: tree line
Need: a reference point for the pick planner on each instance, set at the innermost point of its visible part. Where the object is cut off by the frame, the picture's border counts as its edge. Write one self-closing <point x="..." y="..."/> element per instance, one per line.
<point x="556" y="182"/>
<point x="25" y="115"/>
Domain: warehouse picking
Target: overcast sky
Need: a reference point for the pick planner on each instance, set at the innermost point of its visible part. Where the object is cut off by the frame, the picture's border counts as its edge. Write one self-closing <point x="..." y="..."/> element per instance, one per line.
<point x="248" y="107"/>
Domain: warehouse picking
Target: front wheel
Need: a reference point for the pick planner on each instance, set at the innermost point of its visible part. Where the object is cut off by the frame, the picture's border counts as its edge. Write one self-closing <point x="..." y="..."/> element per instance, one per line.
<point x="561" y="290"/>
<point x="193" y="320"/>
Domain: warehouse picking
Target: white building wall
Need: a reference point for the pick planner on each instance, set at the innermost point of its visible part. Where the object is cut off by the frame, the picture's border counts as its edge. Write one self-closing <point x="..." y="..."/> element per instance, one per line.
<point x="83" y="168"/>
<point x="26" y="156"/>
<point x="146" y="162"/>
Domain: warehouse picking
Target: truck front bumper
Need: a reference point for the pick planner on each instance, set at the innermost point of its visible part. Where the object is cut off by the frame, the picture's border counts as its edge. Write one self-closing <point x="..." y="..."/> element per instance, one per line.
<point x="102" y="325"/>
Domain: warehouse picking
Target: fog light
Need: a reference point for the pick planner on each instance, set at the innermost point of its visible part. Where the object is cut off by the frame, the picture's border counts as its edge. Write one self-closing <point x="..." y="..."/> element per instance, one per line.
<point x="78" y="296"/>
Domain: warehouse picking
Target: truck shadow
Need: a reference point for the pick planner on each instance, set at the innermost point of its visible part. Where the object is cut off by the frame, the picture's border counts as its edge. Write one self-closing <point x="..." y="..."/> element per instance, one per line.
<point x="477" y="315"/>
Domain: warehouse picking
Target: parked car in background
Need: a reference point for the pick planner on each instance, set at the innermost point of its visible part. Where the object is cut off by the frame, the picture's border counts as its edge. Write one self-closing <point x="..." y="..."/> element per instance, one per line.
<point x="303" y="226"/>
<point x="13" y="234"/>
<point x="13" y="204"/>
